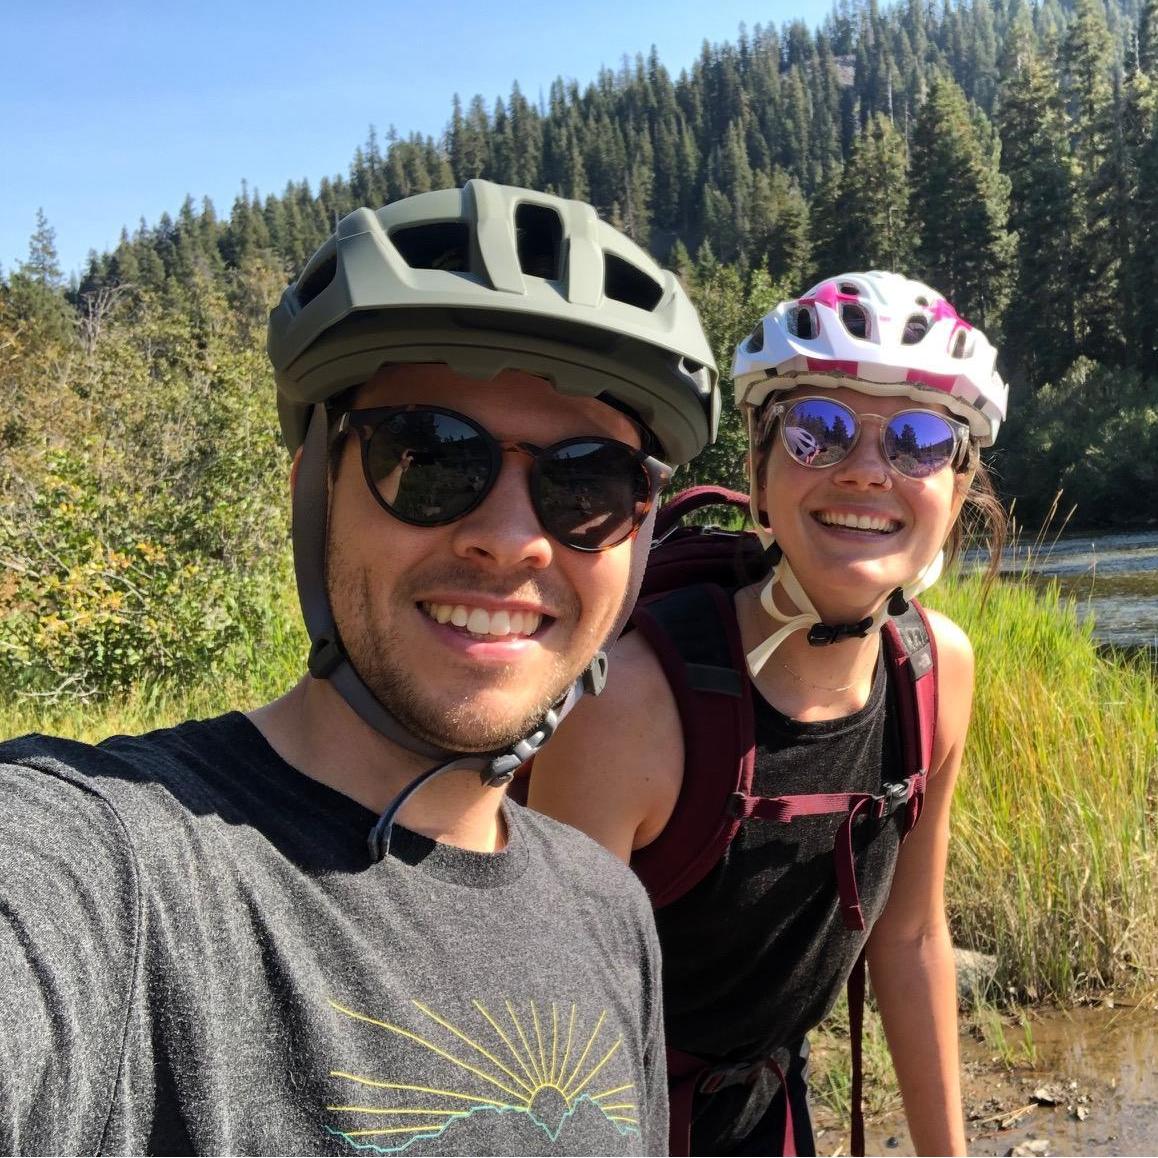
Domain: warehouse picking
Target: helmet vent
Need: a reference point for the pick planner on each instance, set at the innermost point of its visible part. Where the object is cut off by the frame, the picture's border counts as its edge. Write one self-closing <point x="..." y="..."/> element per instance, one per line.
<point x="317" y="280"/>
<point x="539" y="237"/>
<point x="800" y="323"/>
<point x="915" y="329"/>
<point x="625" y="283"/>
<point x="855" y="319"/>
<point x="960" y="344"/>
<point x="849" y="287"/>
<point x="755" y="341"/>
<point x="437" y="245"/>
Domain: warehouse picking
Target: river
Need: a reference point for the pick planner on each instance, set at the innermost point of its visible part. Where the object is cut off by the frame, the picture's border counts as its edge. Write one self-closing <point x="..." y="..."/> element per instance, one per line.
<point x="1111" y="577"/>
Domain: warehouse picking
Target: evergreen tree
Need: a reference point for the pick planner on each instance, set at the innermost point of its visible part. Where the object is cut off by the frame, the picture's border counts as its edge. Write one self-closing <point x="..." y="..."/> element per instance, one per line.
<point x="960" y="203"/>
<point x="785" y="248"/>
<point x="1147" y="42"/>
<point x="1094" y="112"/>
<point x="1041" y="321"/>
<point x="1110" y="223"/>
<point x="867" y="223"/>
<point x="36" y="289"/>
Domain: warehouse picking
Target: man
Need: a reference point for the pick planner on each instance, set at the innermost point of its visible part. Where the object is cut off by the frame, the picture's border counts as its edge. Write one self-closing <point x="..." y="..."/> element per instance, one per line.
<point x="317" y="928"/>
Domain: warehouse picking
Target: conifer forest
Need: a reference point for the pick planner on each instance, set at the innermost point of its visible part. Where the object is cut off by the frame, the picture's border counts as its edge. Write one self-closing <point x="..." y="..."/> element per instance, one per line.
<point x="1005" y="152"/>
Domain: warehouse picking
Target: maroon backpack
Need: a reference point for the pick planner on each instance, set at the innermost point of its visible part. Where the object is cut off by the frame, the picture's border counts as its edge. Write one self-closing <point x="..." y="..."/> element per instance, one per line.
<point x="690" y="575"/>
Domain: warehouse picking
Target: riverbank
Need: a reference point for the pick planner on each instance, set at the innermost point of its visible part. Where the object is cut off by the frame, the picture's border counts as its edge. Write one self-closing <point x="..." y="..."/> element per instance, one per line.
<point x="1047" y="1081"/>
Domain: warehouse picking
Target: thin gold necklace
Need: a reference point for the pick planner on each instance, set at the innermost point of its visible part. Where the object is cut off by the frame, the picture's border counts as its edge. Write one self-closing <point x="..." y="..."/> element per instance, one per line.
<point x="819" y="687"/>
<point x="799" y="678"/>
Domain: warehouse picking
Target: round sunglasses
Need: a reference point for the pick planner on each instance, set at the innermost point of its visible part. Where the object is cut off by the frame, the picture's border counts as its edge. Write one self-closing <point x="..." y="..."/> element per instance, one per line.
<point x="819" y="432"/>
<point x="429" y="466"/>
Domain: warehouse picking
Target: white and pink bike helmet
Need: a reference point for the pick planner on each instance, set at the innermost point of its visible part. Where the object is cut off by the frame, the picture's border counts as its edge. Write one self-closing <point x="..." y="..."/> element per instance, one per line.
<point x="881" y="334"/>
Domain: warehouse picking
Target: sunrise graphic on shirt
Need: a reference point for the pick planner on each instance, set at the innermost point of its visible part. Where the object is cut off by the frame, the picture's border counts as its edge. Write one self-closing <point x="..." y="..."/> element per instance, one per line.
<point x="513" y="1069"/>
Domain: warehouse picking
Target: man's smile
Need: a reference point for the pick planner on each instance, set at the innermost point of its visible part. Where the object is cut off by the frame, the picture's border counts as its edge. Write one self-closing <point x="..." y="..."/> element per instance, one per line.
<point x="479" y="621"/>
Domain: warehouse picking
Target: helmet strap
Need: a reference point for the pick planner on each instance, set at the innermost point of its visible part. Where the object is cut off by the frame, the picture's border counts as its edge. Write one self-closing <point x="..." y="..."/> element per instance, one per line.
<point x="807" y="618"/>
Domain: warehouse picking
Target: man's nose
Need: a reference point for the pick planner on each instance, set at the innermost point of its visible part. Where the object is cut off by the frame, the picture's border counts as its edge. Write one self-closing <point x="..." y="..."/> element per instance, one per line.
<point x="504" y="529"/>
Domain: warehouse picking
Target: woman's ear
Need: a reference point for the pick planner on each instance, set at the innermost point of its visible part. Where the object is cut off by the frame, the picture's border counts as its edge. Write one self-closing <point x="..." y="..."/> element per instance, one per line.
<point x="757" y="469"/>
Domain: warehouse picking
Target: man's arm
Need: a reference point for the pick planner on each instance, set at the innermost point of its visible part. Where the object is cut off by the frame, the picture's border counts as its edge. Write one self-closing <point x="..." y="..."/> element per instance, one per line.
<point x="615" y="767"/>
<point x="68" y="901"/>
<point x="910" y="952"/>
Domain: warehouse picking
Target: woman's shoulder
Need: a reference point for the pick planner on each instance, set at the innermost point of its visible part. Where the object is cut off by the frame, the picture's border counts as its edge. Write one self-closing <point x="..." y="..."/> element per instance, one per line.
<point x="954" y="651"/>
<point x="636" y="684"/>
<point x="615" y="765"/>
<point x="955" y="688"/>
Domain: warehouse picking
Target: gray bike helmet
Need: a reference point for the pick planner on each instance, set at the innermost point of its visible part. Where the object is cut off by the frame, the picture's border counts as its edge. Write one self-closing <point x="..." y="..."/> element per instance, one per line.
<point x="483" y="279"/>
<point x="487" y="278"/>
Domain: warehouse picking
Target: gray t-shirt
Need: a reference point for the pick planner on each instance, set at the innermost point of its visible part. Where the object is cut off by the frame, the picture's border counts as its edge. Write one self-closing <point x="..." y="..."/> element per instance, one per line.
<point x="197" y="955"/>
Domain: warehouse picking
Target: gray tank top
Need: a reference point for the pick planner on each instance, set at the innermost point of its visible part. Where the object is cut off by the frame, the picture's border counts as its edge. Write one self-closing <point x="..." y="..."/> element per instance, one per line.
<point x="757" y="953"/>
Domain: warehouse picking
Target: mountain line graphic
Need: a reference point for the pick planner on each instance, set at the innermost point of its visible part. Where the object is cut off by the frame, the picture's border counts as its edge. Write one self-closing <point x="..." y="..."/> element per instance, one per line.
<point x="542" y="1067"/>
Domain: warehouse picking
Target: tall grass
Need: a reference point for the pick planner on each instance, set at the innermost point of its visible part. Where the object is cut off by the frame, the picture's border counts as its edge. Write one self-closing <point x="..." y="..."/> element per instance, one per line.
<point x="1055" y="849"/>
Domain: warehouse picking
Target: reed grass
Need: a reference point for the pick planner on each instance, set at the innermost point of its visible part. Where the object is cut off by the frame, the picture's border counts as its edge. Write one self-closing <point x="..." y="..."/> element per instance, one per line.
<point x="1054" y="855"/>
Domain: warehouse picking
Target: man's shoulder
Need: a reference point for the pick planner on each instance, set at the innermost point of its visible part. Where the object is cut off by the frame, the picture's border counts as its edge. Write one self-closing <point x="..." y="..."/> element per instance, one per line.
<point x="586" y="864"/>
<point x="124" y="773"/>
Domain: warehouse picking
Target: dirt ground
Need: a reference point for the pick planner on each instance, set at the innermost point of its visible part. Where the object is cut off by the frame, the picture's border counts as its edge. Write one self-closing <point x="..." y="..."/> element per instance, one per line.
<point x="1084" y="1081"/>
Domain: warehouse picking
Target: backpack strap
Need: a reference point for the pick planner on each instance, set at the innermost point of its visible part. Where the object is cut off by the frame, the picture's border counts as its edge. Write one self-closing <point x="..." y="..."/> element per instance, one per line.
<point x="910" y="656"/>
<point x="672" y="513"/>
<point x="695" y="636"/>
<point x="911" y="653"/>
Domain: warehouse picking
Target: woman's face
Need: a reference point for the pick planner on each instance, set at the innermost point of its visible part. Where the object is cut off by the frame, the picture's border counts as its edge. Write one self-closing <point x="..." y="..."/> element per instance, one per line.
<point x="857" y="530"/>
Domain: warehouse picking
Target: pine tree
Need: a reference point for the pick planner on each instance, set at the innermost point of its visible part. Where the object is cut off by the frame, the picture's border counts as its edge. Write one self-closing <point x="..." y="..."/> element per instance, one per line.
<point x="960" y="202"/>
<point x="36" y="289"/>
<point x="526" y="138"/>
<point x="637" y="193"/>
<point x="1041" y="321"/>
<point x="1148" y="38"/>
<point x="1086" y="56"/>
<point x="866" y="223"/>
<point x="1142" y="133"/>
<point x="784" y="247"/>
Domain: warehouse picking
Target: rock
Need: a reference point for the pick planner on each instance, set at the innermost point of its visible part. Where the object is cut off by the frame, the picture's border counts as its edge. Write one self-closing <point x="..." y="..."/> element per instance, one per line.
<point x="1048" y="1096"/>
<point x="976" y="974"/>
<point x="1081" y="1113"/>
<point x="1034" y="1148"/>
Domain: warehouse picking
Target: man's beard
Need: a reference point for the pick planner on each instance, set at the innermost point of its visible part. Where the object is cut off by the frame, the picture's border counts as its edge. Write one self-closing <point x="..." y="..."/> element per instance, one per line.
<point x="459" y="726"/>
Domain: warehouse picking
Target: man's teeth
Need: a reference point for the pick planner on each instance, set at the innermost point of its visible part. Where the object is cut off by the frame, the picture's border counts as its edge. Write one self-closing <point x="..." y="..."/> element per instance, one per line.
<point x="479" y="621"/>
<point x="858" y="522"/>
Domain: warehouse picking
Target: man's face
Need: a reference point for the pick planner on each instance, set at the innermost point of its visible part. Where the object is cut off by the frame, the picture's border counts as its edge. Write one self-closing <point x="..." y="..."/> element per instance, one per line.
<point x="467" y="632"/>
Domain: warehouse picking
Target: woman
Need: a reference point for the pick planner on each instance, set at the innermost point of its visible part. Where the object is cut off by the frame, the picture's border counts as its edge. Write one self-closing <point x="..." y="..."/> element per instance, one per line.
<point x="867" y="401"/>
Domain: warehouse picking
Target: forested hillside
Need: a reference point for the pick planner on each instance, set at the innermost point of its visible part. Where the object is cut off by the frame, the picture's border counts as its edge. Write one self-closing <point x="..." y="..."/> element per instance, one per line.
<point x="1005" y="152"/>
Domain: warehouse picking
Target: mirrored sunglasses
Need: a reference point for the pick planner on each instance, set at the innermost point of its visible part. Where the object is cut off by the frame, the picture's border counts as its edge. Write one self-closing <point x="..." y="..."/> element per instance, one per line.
<point x="428" y="467"/>
<point x="819" y="432"/>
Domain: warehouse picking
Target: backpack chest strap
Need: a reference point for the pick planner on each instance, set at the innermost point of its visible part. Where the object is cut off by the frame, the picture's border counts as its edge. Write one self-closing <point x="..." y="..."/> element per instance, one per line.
<point x="853" y="805"/>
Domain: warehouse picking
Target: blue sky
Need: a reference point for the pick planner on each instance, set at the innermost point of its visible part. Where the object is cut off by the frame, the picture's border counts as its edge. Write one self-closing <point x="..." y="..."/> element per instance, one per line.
<point x="115" y="111"/>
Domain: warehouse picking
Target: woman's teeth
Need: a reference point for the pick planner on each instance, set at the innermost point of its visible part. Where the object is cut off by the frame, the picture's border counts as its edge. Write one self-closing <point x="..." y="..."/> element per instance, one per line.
<point x="876" y="523"/>
<point x="479" y="621"/>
